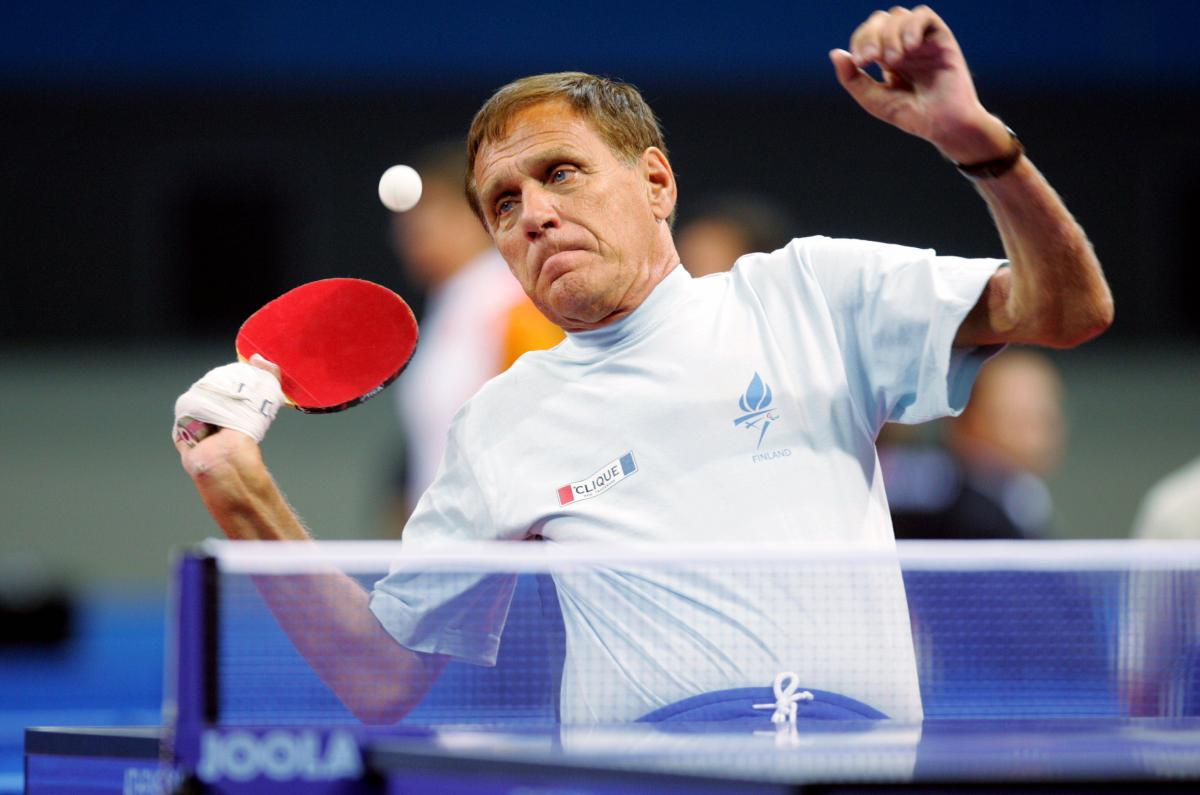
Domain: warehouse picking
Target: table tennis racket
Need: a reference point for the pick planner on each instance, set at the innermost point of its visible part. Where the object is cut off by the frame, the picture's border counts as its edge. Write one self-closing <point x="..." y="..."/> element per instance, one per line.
<point x="337" y="342"/>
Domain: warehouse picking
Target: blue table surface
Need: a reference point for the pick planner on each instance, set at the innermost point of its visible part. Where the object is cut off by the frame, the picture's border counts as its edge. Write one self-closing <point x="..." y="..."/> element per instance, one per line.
<point x="937" y="750"/>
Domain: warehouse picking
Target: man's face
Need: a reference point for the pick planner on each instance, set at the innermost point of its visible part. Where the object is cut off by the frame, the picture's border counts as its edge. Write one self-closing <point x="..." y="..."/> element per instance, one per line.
<point x="578" y="227"/>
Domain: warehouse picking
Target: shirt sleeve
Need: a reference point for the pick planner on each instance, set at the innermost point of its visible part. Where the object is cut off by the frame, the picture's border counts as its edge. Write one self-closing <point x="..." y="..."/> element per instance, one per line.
<point x="896" y="311"/>
<point x="444" y="612"/>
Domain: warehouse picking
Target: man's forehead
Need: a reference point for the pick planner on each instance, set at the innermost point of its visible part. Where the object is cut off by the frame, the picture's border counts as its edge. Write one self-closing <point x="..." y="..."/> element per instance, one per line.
<point x="550" y="123"/>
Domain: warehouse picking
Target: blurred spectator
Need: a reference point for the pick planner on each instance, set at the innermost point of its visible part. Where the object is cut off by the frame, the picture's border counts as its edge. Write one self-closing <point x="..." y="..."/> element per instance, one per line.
<point x="477" y="320"/>
<point x="1160" y="657"/>
<point x="726" y="227"/>
<point x="987" y="482"/>
<point x="1171" y="509"/>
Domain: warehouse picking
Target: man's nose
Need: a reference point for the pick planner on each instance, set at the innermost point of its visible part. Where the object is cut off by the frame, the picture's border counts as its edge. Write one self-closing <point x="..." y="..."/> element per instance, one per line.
<point x="539" y="212"/>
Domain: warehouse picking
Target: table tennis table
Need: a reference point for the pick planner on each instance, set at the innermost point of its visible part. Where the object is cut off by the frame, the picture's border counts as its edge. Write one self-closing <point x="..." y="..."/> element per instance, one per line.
<point x="1036" y="755"/>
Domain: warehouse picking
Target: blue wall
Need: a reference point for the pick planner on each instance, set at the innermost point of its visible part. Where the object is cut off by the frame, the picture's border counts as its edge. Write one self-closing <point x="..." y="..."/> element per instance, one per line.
<point x="230" y="42"/>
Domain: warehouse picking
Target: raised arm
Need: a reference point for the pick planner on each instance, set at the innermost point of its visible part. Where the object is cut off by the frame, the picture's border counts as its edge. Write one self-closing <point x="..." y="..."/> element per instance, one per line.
<point x="325" y="615"/>
<point x="1054" y="293"/>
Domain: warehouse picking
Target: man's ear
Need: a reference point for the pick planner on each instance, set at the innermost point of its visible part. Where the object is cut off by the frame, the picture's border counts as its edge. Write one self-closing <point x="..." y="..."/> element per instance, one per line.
<point x="660" y="182"/>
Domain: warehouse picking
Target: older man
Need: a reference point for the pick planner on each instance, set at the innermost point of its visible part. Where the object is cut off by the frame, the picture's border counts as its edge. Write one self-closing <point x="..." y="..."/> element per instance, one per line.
<point x="741" y="407"/>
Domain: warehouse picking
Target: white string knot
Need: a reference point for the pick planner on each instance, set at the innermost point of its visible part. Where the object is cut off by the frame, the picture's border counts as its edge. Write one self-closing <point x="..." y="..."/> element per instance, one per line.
<point x="787" y="698"/>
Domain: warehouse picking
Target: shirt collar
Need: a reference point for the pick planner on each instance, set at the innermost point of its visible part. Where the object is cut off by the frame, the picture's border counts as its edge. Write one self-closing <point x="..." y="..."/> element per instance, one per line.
<point x="652" y="311"/>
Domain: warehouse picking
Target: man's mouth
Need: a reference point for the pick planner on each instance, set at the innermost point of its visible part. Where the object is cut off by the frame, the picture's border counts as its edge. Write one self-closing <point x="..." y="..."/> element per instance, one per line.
<point x="557" y="264"/>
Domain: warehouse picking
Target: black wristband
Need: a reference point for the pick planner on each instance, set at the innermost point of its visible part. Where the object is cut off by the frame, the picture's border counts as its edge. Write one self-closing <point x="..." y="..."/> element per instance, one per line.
<point x="990" y="169"/>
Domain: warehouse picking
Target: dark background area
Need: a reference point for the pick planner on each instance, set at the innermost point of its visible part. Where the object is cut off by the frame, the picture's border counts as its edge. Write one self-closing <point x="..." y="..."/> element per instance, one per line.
<point x="147" y="213"/>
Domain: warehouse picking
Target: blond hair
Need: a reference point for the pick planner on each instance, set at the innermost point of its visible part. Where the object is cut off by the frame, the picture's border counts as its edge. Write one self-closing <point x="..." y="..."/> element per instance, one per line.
<point x="616" y="110"/>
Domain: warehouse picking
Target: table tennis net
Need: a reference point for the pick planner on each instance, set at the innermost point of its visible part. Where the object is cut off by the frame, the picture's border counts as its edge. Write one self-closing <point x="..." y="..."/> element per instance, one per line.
<point x="991" y="629"/>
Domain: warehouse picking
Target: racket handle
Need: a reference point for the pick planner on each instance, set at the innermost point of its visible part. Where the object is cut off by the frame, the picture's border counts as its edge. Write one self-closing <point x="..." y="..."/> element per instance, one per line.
<point x="192" y="431"/>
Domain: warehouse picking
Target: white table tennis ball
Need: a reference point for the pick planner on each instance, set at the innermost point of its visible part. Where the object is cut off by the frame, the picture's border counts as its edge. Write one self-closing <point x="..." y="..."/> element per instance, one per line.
<point x="400" y="188"/>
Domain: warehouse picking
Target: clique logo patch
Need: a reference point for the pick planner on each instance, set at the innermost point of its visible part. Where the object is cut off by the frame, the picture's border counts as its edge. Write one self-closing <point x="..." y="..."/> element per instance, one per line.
<point x="601" y="481"/>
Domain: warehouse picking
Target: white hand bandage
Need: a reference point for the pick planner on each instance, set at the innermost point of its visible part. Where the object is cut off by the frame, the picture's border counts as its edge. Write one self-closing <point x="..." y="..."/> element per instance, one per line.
<point x="238" y="396"/>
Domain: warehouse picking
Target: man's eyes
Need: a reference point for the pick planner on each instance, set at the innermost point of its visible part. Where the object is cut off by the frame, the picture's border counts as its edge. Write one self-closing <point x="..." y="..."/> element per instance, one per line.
<point x="555" y="176"/>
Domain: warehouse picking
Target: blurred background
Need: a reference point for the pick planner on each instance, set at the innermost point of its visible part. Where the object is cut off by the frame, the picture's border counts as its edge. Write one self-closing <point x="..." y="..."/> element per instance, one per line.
<point x="165" y="168"/>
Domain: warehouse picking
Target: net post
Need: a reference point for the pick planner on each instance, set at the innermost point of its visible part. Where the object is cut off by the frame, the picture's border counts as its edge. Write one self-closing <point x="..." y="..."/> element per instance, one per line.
<point x="191" y="702"/>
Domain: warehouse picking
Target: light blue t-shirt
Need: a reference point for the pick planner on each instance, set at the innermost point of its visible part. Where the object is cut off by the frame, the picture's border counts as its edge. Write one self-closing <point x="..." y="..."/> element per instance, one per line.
<point x="737" y="408"/>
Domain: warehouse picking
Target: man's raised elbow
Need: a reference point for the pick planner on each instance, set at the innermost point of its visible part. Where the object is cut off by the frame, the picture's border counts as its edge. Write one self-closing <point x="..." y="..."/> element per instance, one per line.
<point x="1105" y="314"/>
<point x="1087" y="321"/>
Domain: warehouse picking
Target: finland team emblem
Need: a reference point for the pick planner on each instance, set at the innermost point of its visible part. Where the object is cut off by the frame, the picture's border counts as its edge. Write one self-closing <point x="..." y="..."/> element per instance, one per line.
<point x="757" y="412"/>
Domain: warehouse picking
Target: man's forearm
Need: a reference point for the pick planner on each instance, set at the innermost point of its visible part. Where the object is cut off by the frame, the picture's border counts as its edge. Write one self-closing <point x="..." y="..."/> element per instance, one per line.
<point x="1055" y="293"/>
<point x="239" y="492"/>
<point x="326" y="616"/>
